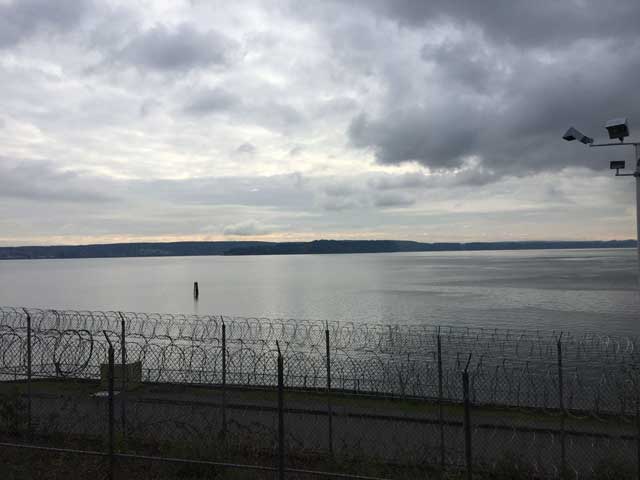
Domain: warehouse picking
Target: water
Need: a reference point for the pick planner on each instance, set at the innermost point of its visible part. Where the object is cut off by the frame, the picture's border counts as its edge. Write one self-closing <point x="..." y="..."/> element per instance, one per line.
<point x="576" y="290"/>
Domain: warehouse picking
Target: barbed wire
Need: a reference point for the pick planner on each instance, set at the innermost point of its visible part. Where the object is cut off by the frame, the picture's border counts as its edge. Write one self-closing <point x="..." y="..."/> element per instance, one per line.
<point x="510" y="368"/>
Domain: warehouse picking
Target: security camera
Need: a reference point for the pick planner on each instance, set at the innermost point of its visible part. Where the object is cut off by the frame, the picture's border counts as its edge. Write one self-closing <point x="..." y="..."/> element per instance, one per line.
<point x="617" y="165"/>
<point x="617" y="128"/>
<point x="573" y="134"/>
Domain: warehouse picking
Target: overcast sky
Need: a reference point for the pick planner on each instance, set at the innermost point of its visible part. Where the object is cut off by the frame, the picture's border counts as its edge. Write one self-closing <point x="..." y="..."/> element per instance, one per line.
<point x="296" y="120"/>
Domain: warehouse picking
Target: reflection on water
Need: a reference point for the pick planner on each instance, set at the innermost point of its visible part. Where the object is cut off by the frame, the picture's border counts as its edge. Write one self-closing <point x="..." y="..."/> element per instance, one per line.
<point x="576" y="290"/>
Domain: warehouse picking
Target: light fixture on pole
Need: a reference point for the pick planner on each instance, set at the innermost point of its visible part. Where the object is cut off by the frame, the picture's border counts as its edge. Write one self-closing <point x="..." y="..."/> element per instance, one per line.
<point x="617" y="129"/>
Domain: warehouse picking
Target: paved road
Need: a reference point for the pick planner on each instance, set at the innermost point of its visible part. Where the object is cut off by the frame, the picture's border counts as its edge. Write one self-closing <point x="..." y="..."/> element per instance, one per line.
<point x="386" y="430"/>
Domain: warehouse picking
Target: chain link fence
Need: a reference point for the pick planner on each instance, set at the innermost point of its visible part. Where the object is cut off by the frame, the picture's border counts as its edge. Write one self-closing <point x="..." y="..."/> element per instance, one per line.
<point x="151" y="394"/>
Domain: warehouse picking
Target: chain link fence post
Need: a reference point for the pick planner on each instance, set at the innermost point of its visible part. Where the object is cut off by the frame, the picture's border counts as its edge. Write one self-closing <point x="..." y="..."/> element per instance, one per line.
<point x="467" y="421"/>
<point x="29" y="389"/>
<point x="281" y="452"/>
<point x="329" y="405"/>
<point x="123" y="393"/>
<point x="224" y="385"/>
<point x="440" y="406"/>
<point x="563" y="445"/>
<point x="110" y="407"/>
<point x="636" y="386"/>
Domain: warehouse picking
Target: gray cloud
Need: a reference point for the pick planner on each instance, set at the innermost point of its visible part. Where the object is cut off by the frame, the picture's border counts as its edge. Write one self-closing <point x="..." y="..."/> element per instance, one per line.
<point x="211" y="101"/>
<point x="467" y="65"/>
<point x="294" y="152"/>
<point x="393" y="199"/>
<point x="148" y="106"/>
<point x="520" y="22"/>
<point x="37" y="180"/>
<point x="369" y="192"/>
<point x="279" y="114"/>
<point x="333" y="204"/>
<point x="403" y="181"/>
<point x="340" y="189"/>
<point x="509" y="126"/>
<point x="247" y="148"/>
<point x="21" y="19"/>
<point x="178" y="49"/>
<point x="422" y="136"/>
<point x="272" y="114"/>
<point x="280" y="191"/>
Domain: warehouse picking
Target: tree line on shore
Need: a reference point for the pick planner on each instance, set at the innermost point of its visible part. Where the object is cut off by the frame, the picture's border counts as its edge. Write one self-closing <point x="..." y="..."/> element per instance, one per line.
<point x="283" y="248"/>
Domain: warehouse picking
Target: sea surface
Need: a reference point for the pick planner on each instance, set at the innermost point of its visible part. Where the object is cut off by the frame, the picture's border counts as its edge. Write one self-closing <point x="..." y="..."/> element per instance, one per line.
<point x="571" y="290"/>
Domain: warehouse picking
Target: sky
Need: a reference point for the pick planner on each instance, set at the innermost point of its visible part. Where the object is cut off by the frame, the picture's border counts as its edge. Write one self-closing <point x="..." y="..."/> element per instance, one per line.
<point x="291" y="120"/>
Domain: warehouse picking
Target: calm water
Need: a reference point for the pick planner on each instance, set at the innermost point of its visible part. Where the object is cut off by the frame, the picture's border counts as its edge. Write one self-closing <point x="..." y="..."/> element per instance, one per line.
<point x="556" y="289"/>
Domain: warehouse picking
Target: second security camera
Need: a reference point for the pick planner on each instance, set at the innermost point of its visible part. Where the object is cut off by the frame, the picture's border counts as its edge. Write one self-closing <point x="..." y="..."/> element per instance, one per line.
<point x="574" y="134"/>
<point x="617" y="128"/>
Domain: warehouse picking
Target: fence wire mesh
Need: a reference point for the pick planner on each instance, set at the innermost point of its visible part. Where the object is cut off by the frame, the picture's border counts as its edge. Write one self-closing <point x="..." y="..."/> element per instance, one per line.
<point x="386" y="401"/>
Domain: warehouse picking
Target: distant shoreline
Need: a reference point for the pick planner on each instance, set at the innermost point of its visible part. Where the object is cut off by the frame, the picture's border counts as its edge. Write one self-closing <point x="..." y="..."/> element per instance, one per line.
<point x="240" y="248"/>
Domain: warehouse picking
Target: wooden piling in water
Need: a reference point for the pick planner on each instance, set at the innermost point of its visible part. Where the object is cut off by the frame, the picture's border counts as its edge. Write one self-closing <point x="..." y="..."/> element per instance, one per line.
<point x="196" y="291"/>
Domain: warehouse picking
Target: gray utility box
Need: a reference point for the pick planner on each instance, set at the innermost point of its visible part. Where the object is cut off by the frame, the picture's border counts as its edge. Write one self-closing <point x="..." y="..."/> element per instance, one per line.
<point x="133" y="372"/>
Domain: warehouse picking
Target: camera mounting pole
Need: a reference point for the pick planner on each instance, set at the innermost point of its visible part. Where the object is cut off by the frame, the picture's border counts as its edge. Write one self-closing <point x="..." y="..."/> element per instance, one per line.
<point x="617" y="128"/>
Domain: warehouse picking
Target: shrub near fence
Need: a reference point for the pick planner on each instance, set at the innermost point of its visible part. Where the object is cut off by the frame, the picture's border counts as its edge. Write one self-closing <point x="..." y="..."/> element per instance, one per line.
<point x="470" y="399"/>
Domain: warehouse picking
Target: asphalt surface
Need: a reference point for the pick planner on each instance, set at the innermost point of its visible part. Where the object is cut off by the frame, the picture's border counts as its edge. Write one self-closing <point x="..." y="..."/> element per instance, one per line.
<point x="390" y="431"/>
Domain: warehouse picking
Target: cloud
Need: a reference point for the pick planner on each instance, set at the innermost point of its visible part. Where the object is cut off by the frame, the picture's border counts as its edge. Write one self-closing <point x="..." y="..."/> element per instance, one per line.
<point x="337" y="204"/>
<point x="465" y="64"/>
<point x="278" y="114"/>
<point x="271" y="114"/>
<point x="393" y="199"/>
<point x="247" y="148"/>
<point x="520" y="22"/>
<point x="368" y="192"/>
<point x="340" y="189"/>
<point x="279" y="191"/>
<point x="410" y="119"/>
<point x="402" y="181"/>
<point x="419" y="135"/>
<point x="180" y="48"/>
<point x="248" y="228"/>
<point x="294" y="152"/>
<point x="510" y="125"/>
<point x="211" y="101"/>
<point x="41" y="181"/>
<point x="21" y="19"/>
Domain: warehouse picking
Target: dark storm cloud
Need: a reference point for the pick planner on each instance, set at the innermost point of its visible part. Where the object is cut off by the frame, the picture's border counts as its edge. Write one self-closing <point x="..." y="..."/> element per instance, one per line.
<point x="468" y="66"/>
<point x="521" y="22"/>
<point x="417" y="135"/>
<point x="494" y="87"/>
<point x="38" y="180"/>
<point x="505" y="110"/>
<point x="178" y="49"/>
<point x="21" y="19"/>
